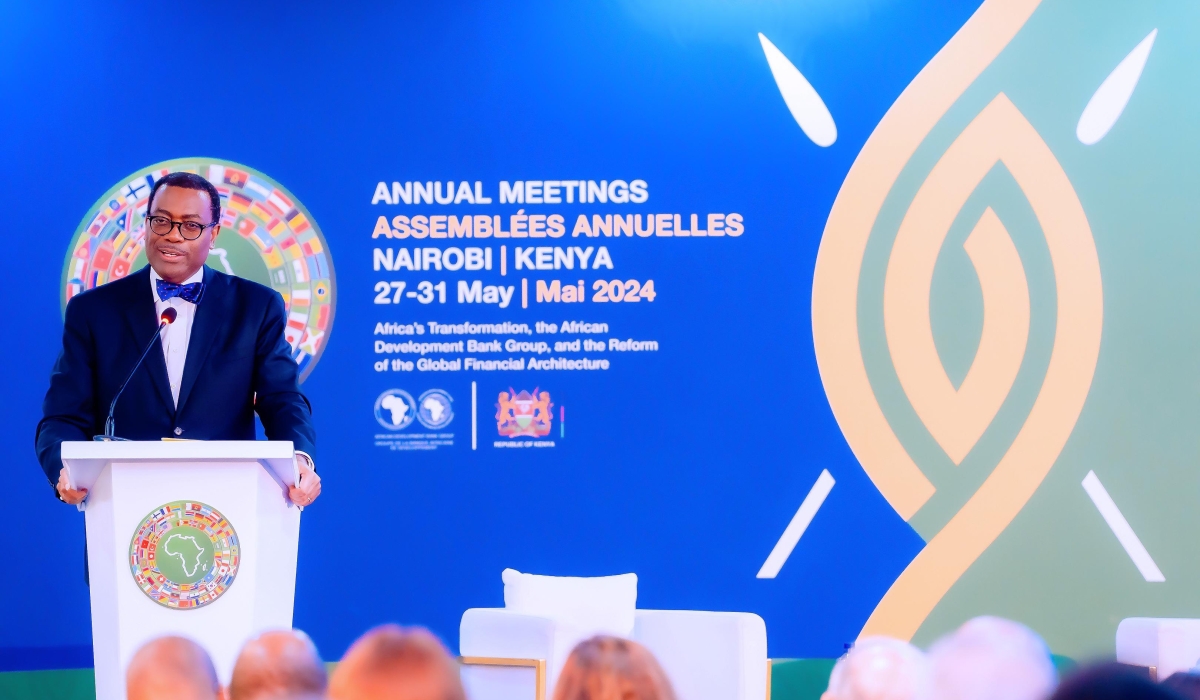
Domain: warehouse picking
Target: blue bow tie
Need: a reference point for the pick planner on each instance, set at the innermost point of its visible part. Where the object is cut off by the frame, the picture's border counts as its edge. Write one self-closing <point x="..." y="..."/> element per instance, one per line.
<point x="187" y="292"/>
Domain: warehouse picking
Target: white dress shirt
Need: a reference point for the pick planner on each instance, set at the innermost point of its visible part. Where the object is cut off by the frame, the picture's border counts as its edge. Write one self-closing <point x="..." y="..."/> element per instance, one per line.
<point x="175" y="337"/>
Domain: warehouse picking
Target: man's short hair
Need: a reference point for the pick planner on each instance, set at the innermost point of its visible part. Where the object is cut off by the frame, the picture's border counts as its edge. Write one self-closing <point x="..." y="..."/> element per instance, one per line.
<point x="880" y="668"/>
<point x="278" y="663"/>
<point x="1108" y="681"/>
<point x="394" y="662"/>
<point x="991" y="658"/>
<point x="188" y="181"/>
<point x="1184" y="683"/>
<point x="173" y="667"/>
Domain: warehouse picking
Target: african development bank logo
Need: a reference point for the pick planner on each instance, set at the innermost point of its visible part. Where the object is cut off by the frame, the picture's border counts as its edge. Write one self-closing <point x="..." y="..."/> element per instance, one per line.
<point x="395" y="409"/>
<point x="266" y="236"/>
<point x="184" y="555"/>
<point x="435" y="409"/>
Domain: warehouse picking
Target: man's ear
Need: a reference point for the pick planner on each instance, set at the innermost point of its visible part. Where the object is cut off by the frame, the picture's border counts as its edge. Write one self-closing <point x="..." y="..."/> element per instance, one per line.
<point x="216" y="232"/>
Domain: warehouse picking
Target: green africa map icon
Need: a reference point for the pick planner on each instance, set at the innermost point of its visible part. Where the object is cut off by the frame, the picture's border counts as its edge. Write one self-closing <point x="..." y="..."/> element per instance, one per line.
<point x="266" y="236"/>
<point x="184" y="555"/>
<point x="1003" y="309"/>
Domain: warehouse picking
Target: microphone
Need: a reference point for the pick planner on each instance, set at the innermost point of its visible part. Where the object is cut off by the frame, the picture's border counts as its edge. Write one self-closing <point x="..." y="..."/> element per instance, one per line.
<point x="167" y="318"/>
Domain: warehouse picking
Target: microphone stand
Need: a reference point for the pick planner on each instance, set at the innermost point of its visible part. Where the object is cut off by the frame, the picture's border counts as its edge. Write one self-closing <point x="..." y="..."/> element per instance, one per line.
<point x="167" y="318"/>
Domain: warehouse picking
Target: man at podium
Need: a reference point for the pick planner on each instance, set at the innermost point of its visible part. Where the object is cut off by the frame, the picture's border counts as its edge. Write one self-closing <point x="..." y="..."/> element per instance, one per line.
<point x="223" y="353"/>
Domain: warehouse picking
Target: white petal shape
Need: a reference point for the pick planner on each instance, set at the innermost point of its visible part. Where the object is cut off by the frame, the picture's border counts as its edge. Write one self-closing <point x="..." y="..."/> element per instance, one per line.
<point x="1120" y="527"/>
<point x="800" y="522"/>
<point x="1106" y="105"/>
<point x="802" y="100"/>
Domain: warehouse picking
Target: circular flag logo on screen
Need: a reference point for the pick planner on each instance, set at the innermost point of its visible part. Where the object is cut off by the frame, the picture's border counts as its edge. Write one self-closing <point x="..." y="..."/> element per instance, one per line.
<point x="266" y="236"/>
<point x="184" y="555"/>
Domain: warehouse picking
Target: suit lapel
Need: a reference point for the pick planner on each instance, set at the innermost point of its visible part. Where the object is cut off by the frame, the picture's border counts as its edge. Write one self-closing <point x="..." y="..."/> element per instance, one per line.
<point x="140" y="316"/>
<point x="210" y="311"/>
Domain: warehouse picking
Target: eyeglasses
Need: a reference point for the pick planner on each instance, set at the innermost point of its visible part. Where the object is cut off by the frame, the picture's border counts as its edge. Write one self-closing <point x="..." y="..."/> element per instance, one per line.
<point x="190" y="230"/>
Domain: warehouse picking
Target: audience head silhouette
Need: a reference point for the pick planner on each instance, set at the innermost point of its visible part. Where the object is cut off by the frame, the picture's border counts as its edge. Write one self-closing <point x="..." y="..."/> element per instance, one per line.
<point x="172" y="668"/>
<point x="278" y="664"/>
<point x="990" y="658"/>
<point x="394" y="663"/>
<point x="1185" y="684"/>
<point x="880" y="668"/>
<point x="610" y="668"/>
<point x="1112" y="681"/>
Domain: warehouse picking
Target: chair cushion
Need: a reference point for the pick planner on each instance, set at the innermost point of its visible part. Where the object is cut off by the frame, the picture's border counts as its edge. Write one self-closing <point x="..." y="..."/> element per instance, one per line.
<point x="589" y="606"/>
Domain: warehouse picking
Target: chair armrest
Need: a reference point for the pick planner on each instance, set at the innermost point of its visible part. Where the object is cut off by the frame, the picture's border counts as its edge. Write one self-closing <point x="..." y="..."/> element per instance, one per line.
<point x="497" y="633"/>
<point x="707" y="655"/>
<point x="493" y="678"/>
<point x="500" y="633"/>
<point x="1168" y="644"/>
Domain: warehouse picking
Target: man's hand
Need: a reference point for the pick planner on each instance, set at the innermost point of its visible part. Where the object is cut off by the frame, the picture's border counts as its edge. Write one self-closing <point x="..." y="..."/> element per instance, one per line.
<point x="76" y="496"/>
<point x="305" y="492"/>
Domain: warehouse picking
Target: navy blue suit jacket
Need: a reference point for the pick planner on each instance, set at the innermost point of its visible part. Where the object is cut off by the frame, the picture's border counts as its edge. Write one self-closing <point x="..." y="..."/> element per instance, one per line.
<point x="238" y="363"/>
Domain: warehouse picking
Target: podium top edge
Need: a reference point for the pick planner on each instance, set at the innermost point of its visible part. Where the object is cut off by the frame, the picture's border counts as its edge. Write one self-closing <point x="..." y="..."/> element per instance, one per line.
<point x="189" y="450"/>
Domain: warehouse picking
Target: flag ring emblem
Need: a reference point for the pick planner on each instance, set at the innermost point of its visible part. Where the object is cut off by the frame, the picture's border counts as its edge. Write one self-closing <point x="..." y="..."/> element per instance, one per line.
<point x="266" y="236"/>
<point x="184" y="555"/>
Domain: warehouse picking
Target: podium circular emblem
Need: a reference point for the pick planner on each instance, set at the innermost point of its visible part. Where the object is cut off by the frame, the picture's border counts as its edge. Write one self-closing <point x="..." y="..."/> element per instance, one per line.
<point x="266" y="236"/>
<point x="184" y="555"/>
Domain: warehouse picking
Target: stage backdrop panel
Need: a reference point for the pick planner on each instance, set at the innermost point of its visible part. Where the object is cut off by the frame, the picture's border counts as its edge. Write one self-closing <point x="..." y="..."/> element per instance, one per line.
<point x="866" y="317"/>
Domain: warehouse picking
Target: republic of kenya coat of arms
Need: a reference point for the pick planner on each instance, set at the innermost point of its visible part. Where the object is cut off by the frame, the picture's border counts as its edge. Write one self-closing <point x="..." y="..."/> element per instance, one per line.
<point x="523" y="415"/>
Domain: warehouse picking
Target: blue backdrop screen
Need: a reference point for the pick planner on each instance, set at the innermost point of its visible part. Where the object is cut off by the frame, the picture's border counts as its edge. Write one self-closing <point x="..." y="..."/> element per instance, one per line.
<point x="545" y="394"/>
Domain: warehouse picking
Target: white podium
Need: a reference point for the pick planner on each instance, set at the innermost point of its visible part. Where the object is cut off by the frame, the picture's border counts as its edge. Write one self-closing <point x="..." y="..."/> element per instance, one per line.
<point x="190" y="538"/>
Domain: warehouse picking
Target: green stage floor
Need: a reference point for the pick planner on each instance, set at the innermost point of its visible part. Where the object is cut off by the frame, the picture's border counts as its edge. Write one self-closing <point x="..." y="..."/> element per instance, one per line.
<point x="791" y="679"/>
<point x="74" y="684"/>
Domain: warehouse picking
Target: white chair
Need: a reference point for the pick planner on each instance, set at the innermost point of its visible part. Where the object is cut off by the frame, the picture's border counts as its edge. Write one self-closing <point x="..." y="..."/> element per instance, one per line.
<point x="1165" y="645"/>
<point x="519" y="650"/>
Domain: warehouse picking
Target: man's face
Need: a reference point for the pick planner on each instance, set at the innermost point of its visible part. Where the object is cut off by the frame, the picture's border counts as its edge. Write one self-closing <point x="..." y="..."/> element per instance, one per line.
<point x="172" y="256"/>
